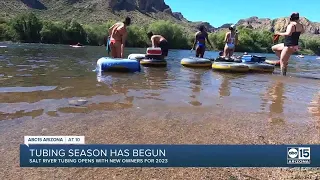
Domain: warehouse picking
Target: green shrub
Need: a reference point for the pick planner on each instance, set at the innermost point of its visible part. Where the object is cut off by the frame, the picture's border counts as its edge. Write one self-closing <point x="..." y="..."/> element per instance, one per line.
<point x="137" y="37"/>
<point x="97" y="33"/>
<point x="172" y="32"/>
<point x="217" y="40"/>
<point x="6" y="32"/>
<point x="28" y="28"/>
<point x="52" y="33"/>
<point x="74" y="32"/>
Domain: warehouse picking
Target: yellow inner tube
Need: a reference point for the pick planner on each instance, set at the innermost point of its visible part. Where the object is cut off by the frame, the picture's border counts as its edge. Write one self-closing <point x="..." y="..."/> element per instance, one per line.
<point x="153" y="62"/>
<point x="230" y="67"/>
<point x="187" y="64"/>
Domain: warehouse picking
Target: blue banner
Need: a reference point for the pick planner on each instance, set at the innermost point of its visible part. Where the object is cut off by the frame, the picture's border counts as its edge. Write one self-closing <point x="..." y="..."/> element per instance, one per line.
<point x="90" y="155"/>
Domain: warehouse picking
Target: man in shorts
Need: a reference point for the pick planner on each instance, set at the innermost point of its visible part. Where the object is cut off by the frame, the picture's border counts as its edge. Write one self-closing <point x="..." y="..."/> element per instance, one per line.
<point x="159" y="41"/>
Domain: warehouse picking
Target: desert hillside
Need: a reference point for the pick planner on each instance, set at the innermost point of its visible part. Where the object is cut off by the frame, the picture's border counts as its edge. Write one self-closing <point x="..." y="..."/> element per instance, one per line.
<point x="278" y="24"/>
<point x="141" y="11"/>
<point x="95" y="11"/>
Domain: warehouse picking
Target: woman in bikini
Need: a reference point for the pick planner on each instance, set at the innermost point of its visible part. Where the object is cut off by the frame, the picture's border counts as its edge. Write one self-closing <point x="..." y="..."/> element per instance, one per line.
<point x="118" y="35"/>
<point x="231" y="40"/>
<point x="290" y="45"/>
<point x="200" y="41"/>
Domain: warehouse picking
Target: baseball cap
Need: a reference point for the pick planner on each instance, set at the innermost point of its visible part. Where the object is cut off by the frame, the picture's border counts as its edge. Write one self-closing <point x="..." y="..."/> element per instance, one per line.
<point x="232" y="26"/>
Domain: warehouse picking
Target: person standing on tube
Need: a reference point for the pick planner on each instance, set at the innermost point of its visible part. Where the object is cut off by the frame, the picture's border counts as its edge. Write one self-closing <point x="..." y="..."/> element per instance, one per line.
<point x="200" y="41"/>
<point x="118" y="36"/>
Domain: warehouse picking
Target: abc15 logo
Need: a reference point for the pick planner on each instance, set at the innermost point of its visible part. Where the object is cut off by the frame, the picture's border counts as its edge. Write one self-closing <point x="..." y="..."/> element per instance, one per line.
<point x="299" y="153"/>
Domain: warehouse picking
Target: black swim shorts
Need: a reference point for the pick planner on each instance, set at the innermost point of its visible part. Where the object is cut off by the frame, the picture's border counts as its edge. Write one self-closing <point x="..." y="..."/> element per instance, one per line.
<point x="164" y="47"/>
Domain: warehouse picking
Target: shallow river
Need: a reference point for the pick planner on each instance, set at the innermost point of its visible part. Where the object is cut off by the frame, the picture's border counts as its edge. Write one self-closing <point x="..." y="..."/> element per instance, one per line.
<point x="53" y="90"/>
<point x="43" y="80"/>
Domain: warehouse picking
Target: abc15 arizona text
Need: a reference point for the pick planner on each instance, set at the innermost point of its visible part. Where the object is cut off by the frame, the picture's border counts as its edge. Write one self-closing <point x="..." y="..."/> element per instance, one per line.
<point x="298" y="155"/>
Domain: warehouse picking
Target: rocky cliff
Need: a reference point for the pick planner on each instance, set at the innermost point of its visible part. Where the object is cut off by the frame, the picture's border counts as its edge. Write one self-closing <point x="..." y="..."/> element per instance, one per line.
<point x="34" y="4"/>
<point x="141" y="11"/>
<point x="96" y="11"/>
<point x="142" y="5"/>
<point x="278" y="24"/>
<point x="179" y="16"/>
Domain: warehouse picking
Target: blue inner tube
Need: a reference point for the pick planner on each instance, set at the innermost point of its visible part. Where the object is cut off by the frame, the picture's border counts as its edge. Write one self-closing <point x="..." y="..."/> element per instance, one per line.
<point x="110" y="64"/>
<point x="253" y="58"/>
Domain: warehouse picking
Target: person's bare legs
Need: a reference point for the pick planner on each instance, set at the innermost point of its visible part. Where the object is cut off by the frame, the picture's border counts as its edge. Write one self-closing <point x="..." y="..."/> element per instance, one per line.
<point x="118" y="47"/>
<point x="198" y="51"/>
<point x="231" y="51"/>
<point x="113" y="50"/>
<point x="225" y="51"/>
<point x="116" y="50"/>
<point x="203" y="50"/>
<point x="277" y="49"/>
<point x="284" y="59"/>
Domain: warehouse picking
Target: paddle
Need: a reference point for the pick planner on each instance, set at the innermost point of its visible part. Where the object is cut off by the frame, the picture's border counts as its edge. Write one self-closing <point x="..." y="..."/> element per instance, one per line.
<point x="275" y="38"/>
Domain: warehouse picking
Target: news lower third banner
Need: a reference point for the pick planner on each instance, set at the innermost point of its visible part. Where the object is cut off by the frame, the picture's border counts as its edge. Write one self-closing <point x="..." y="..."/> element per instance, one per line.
<point x="106" y="155"/>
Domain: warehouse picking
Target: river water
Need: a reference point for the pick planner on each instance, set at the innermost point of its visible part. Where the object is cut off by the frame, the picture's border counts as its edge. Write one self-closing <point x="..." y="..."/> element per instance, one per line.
<point x="42" y="85"/>
<point x="43" y="80"/>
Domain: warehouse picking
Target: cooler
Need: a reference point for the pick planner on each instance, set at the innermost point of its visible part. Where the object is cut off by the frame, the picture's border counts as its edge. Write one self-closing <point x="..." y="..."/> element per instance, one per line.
<point x="154" y="51"/>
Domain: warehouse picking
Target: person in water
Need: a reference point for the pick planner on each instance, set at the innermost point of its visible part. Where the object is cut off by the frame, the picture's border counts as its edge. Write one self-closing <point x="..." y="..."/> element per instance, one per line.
<point x="159" y="41"/>
<point x="79" y="44"/>
<point x="118" y="36"/>
<point x="290" y="45"/>
<point x="231" y="40"/>
<point x="200" y="40"/>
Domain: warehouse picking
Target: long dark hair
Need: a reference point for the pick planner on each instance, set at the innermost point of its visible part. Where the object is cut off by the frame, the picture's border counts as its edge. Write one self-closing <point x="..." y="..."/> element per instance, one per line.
<point x="127" y="21"/>
<point x="150" y="34"/>
<point x="294" y="16"/>
<point x="202" y="28"/>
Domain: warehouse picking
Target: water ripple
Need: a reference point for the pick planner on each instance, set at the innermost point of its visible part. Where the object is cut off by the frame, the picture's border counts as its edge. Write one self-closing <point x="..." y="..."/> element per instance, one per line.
<point x="26" y="89"/>
<point x="57" y="74"/>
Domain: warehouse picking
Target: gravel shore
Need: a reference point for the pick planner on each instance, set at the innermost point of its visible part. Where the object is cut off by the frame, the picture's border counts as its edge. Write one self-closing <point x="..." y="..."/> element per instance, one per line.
<point x="157" y="125"/>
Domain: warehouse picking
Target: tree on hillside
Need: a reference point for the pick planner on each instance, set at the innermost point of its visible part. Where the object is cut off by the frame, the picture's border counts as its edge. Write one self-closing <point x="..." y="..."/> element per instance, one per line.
<point x="27" y="27"/>
<point x="75" y="32"/>
<point x="52" y="33"/>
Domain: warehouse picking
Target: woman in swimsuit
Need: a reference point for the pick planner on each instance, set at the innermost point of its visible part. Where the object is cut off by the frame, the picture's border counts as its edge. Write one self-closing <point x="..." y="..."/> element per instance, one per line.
<point x="231" y="40"/>
<point x="200" y="41"/>
<point x="118" y="35"/>
<point x="290" y="45"/>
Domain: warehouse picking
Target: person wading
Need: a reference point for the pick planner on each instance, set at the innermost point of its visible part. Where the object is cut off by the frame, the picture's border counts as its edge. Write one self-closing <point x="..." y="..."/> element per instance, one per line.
<point x="290" y="45"/>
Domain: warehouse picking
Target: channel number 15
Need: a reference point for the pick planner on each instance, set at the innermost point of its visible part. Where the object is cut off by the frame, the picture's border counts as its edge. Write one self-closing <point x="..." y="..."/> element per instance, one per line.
<point x="299" y="153"/>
